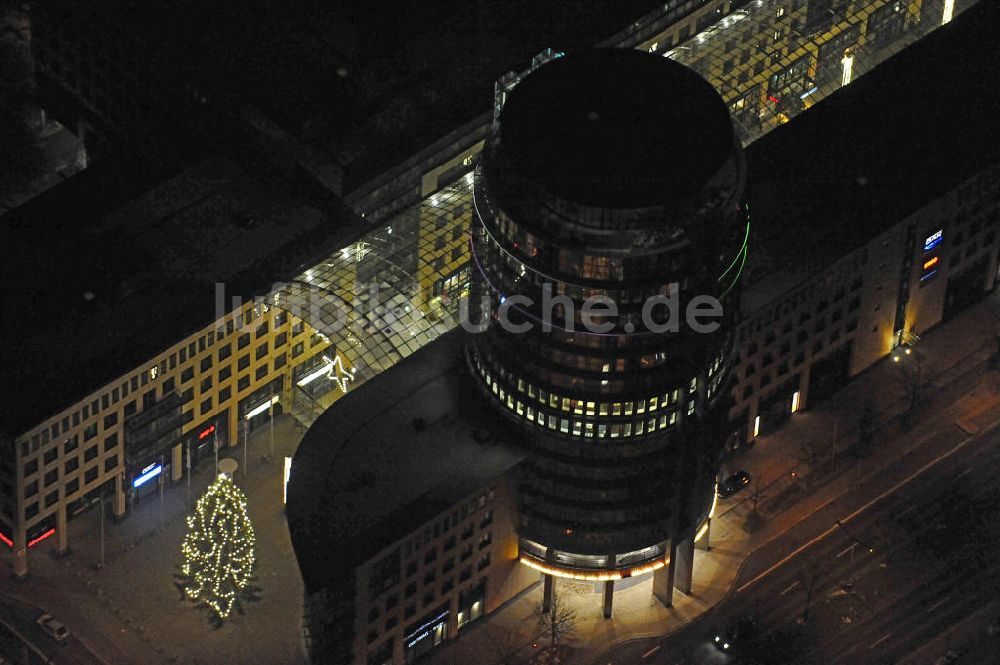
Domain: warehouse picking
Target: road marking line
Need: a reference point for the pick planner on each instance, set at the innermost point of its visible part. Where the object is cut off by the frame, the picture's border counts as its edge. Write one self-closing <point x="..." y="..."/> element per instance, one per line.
<point x="913" y="507"/>
<point x="879" y="641"/>
<point x="651" y="652"/>
<point x="847" y="549"/>
<point x="964" y="472"/>
<point x="892" y="490"/>
<point x="790" y="587"/>
<point x="939" y="603"/>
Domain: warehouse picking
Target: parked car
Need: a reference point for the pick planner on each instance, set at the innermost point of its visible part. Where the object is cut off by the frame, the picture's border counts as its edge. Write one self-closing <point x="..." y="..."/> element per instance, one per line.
<point x="733" y="484"/>
<point x="55" y="629"/>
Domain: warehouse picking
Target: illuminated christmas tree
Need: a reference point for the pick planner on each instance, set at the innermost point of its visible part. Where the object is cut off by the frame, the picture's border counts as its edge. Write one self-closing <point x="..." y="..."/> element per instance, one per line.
<point x="218" y="550"/>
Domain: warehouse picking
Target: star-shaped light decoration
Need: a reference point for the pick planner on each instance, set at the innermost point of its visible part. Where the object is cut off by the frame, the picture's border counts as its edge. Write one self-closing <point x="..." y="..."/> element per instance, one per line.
<point x="338" y="373"/>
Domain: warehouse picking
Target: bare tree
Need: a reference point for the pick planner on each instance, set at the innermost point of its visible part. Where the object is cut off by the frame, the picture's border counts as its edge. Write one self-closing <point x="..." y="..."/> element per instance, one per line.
<point x="869" y="426"/>
<point x="504" y="643"/>
<point x="559" y="622"/>
<point x="914" y="380"/>
<point x="810" y="576"/>
<point x="811" y="453"/>
<point x="758" y="492"/>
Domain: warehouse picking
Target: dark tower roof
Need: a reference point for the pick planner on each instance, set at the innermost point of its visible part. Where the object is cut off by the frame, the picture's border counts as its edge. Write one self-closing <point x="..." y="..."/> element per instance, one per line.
<point x="591" y="134"/>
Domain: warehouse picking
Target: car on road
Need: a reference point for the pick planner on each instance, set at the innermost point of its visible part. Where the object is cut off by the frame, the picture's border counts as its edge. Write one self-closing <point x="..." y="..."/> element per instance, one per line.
<point x="948" y="658"/>
<point x="56" y="629"/>
<point x="733" y="484"/>
<point x="736" y="635"/>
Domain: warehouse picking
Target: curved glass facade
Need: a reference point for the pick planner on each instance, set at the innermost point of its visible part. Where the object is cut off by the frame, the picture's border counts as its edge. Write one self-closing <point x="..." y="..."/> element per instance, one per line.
<point x="587" y="348"/>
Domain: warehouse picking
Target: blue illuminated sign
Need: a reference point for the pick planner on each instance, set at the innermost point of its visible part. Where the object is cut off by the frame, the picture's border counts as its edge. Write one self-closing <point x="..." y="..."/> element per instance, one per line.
<point x="425" y="630"/>
<point x="933" y="240"/>
<point x="929" y="275"/>
<point x="148" y="473"/>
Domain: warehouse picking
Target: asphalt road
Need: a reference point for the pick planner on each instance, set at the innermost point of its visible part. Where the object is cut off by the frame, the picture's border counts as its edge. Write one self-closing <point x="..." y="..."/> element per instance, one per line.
<point x="20" y="634"/>
<point x="873" y="594"/>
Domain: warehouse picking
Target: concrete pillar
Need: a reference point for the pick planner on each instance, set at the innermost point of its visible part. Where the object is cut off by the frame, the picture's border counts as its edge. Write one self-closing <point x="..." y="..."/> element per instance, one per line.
<point x="609" y="588"/>
<point x="705" y="540"/>
<point x="62" y="546"/>
<point x="609" y="594"/>
<point x="234" y="427"/>
<point x="548" y="589"/>
<point x="398" y="653"/>
<point x="804" y="379"/>
<point x="685" y="565"/>
<point x="992" y="272"/>
<point x="452" y="619"/>
<point x="663" y="579"/>
<point x="118" y="505"/>
<point x="20" y="552"/>
<point x="177" y="463"/>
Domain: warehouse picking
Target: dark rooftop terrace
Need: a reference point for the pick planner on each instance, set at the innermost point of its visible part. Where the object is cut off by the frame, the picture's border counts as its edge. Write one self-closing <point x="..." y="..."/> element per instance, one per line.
<point x="364" y="476"/>
<point x="616" y="128"/>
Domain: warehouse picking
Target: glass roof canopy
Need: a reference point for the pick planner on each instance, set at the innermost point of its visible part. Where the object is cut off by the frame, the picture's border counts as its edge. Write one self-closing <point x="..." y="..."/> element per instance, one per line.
<point x="399" y="287"/>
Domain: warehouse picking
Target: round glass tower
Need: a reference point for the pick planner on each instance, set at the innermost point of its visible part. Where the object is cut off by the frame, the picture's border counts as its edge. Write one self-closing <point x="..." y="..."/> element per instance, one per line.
<point x="609" y="208"/>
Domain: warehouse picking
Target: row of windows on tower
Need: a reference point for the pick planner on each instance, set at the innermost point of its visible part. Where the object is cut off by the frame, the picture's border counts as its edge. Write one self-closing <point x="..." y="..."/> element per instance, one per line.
<point x="589" y="428"/>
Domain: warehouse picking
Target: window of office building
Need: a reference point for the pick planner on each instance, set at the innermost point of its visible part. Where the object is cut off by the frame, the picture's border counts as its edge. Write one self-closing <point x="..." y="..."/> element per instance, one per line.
<point x="794" y="79"/>
<point x="886" y="23"/>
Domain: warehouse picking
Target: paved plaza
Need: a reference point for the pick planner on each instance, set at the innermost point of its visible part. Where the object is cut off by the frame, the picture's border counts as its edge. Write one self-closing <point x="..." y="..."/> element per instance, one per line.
<point x="130" y="611"/>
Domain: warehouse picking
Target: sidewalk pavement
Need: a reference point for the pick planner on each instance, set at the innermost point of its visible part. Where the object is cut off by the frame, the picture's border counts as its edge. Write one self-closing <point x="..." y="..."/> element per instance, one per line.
<point x="964" y="392"/>
<point x="130" y="610"/>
